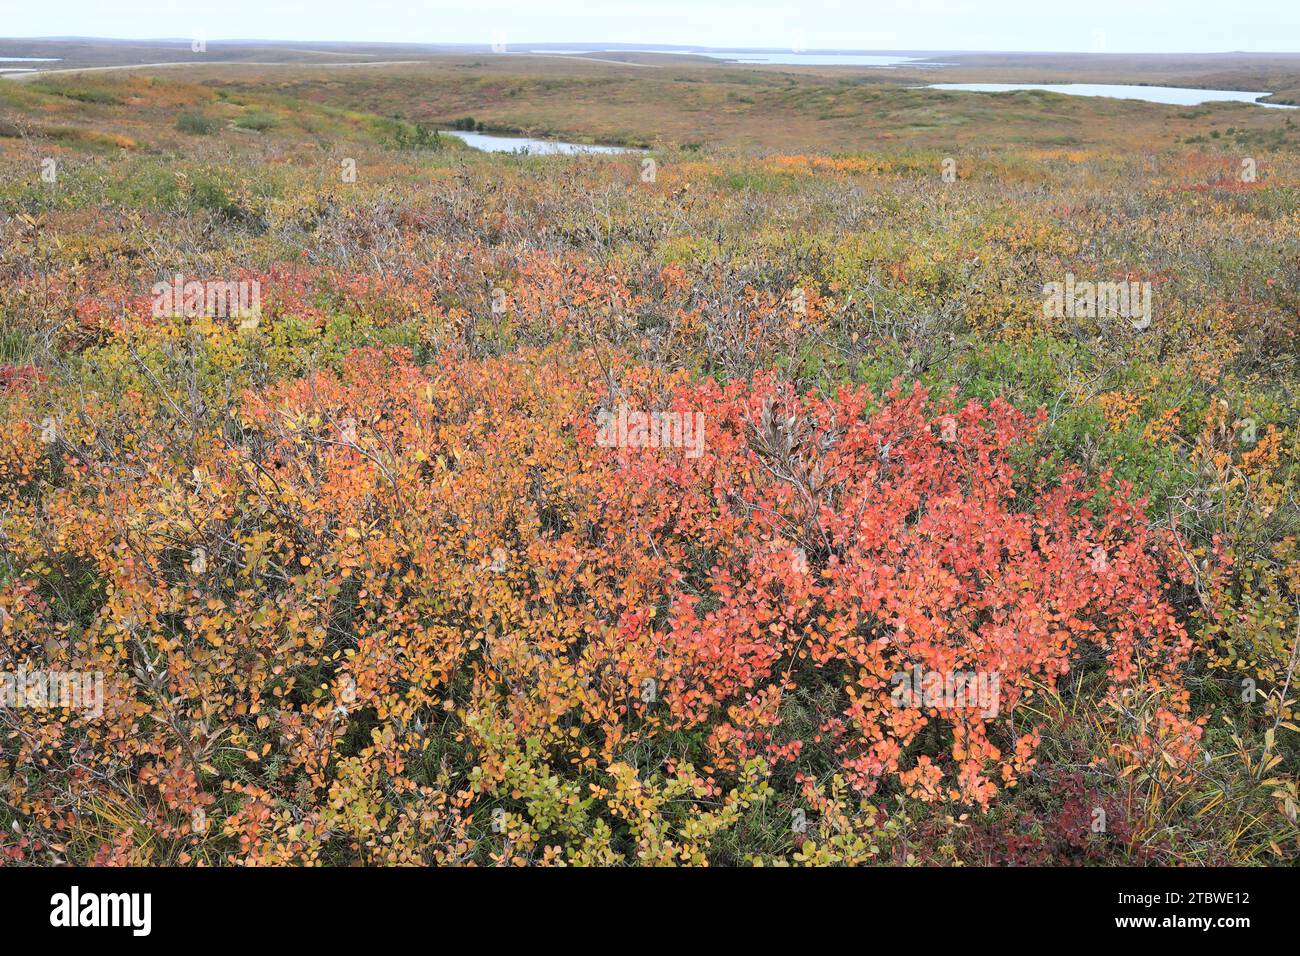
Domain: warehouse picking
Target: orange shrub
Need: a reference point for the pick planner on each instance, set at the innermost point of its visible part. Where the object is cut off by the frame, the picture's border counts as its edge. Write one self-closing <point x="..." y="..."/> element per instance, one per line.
<point x="376" y="604"/>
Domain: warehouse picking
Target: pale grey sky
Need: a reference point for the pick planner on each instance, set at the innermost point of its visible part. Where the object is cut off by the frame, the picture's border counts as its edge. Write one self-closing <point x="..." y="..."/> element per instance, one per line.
<point x="1122" y="25"/>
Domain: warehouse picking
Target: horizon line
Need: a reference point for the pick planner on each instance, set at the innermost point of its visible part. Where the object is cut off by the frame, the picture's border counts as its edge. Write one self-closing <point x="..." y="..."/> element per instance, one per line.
<point x="606" y="45"/>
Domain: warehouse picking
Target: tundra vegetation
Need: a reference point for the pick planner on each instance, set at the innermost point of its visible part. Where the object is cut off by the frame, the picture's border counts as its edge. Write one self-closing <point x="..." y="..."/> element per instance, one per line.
<point x="369" y="581"/>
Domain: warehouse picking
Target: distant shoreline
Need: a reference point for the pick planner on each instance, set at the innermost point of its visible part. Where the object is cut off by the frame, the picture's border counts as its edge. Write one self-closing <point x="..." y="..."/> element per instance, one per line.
<point x="197" y="63"/>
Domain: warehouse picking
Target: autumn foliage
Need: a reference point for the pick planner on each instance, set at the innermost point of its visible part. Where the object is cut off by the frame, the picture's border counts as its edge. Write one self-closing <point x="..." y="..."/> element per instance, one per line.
<point x="380" y="599"/>
<point x="370" y="581"/>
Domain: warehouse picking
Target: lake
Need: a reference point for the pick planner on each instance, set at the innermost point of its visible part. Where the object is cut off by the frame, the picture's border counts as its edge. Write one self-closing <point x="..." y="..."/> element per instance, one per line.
<point x="1169" y="95"/>
<point x="811" y="59"/>
<point x="525" y="144"/>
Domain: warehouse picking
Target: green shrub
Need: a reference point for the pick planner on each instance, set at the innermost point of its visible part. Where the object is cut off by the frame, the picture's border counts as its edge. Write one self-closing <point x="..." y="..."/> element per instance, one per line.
<point x="417" y="136"/>
<point x="195" y="123"/>
<point x="257" y="121"/>
<point x="80" y="93"/>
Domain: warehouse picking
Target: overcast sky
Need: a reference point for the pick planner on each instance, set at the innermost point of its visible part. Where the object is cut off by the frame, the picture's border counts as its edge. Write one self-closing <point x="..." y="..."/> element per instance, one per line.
<point x="1117" y="26"/>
